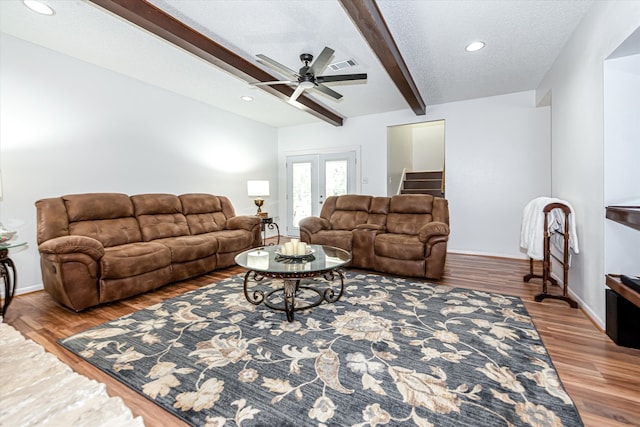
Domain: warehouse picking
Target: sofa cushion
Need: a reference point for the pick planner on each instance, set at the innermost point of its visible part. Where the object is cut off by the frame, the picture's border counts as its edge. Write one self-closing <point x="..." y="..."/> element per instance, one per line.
<point x="92" y="206"/>
<point x="378" y="211"/>
<point x="350" y="211"/>
<point x="231" y="240"/>
<point x="339" y="238"/>
<point x="189" y="248"/>
<point x="159" y="216"/>
<point x="203" y="213"/>
<point x="134" y="259"/>
<point x="407" y="223"/>
<point x="109" y="232"/>
<point x="408" y="213"/>
<point x="399" y="246"/>
<point x="106" y="217"/>
<point x="411" y="203"/>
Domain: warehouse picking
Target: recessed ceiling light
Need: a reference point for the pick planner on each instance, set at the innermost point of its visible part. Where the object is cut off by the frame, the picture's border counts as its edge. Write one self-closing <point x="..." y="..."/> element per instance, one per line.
<point x="472" y="47"/>
<point x="246" y="98"/>
<point x="39" y="7"/>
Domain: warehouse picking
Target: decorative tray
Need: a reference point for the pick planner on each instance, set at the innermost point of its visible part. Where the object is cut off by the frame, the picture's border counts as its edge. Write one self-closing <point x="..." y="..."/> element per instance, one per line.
<point x="295" y="258"/>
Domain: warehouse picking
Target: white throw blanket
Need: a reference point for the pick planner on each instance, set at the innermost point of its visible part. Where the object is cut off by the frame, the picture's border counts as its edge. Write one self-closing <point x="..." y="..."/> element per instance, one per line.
<point x="532" y="230"/>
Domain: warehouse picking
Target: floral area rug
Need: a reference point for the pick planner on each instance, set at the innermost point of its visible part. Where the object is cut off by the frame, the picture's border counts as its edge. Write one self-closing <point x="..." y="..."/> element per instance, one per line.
<point x="391" y="351"/>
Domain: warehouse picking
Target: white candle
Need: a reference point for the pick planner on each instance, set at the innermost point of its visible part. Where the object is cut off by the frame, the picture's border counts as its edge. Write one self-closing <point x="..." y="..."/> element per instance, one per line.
<point x="294" y="246"/>
<point x="302" y="248"/>
<point x="288" y="248"/>
<point x="258" y="260"/>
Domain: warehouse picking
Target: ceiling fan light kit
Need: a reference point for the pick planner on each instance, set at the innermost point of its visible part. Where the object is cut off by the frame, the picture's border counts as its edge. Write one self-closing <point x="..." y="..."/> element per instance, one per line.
<point x="307" y="77"/>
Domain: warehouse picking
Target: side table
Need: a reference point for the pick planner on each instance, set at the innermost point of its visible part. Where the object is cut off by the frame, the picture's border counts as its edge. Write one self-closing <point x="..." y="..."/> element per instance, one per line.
<point x="8" y="274"/>
<point x="268" y="223"/>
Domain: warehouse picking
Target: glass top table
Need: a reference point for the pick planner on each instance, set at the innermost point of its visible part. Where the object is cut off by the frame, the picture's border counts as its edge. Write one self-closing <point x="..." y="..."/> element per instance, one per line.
<point x="320" y="261"/>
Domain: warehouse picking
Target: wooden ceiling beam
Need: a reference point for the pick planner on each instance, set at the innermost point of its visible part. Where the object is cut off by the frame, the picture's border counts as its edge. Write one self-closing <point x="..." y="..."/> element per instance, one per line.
<point x="368" y="19"/>
<point x="156" y="21"/>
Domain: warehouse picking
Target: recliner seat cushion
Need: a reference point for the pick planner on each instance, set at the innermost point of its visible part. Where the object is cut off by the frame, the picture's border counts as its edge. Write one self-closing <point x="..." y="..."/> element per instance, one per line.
<point x="189" y="248"/>
<point x="134" y="259"/>
<point x="231" y="240"/>
<point x="339" y="238"/>
<point x="399" y="246"/>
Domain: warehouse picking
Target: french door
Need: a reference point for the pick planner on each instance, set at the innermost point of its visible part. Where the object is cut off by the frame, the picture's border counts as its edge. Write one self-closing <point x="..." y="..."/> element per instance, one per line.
<point x="314" y="177"/>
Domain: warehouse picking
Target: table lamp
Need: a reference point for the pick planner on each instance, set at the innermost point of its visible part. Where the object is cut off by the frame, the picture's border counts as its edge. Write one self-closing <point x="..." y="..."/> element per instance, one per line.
<point x="258" y="189"/>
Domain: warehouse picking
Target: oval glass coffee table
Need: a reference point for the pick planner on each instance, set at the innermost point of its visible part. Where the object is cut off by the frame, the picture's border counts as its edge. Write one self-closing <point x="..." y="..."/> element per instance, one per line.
<point x="321" y="261"/>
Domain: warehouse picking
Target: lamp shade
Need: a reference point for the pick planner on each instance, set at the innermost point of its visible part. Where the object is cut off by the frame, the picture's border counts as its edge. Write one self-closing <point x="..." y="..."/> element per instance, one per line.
<point x="257" y="188"/>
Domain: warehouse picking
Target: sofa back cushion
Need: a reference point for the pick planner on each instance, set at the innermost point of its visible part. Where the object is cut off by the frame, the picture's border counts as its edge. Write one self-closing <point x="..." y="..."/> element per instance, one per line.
<point x="409" y="212"/>
<point x="106" y="217"/>
<point x="350" y="211"/>
<point x="159" y="216"/>
<point x="205" y="213"/>
<point x="378" y="211"/>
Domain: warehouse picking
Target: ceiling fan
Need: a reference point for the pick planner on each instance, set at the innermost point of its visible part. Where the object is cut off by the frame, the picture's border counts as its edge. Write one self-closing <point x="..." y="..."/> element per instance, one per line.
<point x="307" y="77"/>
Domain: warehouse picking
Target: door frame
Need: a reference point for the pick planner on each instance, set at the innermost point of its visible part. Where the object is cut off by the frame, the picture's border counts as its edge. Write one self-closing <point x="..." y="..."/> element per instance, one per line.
<point x="284" y="226"/>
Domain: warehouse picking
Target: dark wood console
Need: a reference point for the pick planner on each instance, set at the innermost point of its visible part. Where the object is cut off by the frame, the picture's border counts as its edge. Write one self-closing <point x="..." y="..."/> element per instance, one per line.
<point x="627" y="215"/>
<point x="623" y="302"/>
<point x="616" y="285"/>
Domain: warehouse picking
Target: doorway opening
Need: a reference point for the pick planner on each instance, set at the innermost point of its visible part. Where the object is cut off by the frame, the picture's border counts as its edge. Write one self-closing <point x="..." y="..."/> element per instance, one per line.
<point x="415" y="158"/>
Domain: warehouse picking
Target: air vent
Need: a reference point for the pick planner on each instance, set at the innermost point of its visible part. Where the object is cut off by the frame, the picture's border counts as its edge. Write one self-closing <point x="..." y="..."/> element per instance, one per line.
<point x="343" y="64"/>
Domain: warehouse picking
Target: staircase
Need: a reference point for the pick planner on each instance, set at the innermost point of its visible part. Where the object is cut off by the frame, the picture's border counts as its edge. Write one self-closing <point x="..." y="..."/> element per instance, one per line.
<point x="423" y="183"/>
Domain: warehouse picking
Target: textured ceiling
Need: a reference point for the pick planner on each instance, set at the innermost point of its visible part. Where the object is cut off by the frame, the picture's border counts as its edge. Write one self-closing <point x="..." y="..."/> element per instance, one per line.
<point x="523" y="39"/>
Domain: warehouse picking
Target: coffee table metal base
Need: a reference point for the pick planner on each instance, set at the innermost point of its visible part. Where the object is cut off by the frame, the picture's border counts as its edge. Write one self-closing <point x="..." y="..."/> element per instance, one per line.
<point x="291" y="287"/>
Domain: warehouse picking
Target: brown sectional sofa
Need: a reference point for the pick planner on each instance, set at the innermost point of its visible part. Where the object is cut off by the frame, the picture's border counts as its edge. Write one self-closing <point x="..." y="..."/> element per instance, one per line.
<point x="102" y="247"/>
<point x="405" y="234"/>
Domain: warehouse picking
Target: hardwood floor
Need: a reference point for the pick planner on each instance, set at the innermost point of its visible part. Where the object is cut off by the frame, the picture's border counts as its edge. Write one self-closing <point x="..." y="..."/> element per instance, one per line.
<point x="602" y="378"/>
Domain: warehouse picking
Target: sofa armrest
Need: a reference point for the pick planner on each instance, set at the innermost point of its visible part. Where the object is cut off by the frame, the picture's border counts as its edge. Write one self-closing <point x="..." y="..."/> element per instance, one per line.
<point x="246" y="222"/>
<point x="433" y="230"/>
<point x="71" y="245"/>
<point x="313" y="224"/>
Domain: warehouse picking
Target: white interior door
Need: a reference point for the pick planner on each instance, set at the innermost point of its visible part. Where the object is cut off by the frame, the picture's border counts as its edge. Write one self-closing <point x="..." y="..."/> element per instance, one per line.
<point x="314" y="177"/>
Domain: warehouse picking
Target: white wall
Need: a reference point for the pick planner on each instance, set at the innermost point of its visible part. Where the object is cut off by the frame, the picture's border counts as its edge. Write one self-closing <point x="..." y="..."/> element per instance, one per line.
<point x="498" y="158"/>
<point x="428" y="147"/>
<point x="399" y="155"/>
<point x="621" y="158"/>
<point x="575" y="83"/>
<point x="71" y="127"/>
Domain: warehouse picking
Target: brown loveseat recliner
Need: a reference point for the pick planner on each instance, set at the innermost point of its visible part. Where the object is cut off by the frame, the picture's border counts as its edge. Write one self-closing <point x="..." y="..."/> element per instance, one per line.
<point x="404" y="234"/>
<point x="102" y="247"/>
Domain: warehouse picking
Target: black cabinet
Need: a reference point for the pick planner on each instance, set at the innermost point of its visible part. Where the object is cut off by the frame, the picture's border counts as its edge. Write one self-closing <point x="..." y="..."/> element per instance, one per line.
<point x="623" y="320"/>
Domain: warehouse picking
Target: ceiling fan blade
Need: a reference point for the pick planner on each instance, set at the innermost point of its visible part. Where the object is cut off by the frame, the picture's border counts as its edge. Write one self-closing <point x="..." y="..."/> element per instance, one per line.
<point x="341" y="78"/>
<point x="296" y="93"/>
<point x="284" y="70"/>
<point x="322" y="60"/>
<point x="277" y="82"/>
<point x="330" y="92"/>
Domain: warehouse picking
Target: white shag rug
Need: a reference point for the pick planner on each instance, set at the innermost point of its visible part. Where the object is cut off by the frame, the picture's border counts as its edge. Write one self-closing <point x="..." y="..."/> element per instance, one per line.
<point x="37" y="389"/>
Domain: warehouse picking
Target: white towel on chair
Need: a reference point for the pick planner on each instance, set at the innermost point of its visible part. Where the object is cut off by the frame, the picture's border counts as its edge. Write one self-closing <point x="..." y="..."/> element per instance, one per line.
<point x="532" y="230"/>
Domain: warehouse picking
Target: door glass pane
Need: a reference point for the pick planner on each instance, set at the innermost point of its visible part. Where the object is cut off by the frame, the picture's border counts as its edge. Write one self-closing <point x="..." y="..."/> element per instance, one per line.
<point x="335" y="177"/>
<point x="301" y="191"/>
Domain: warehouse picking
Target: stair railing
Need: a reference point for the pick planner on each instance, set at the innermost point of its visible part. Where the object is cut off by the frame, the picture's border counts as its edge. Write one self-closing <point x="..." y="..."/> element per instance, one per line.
<point x="402" y="178"/>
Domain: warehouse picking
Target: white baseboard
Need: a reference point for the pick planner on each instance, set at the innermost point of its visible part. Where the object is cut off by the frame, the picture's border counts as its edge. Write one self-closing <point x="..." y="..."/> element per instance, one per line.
<point x="26" y="290"/>
<point x="490" y="254"/>
<point x="583" y="306"/>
